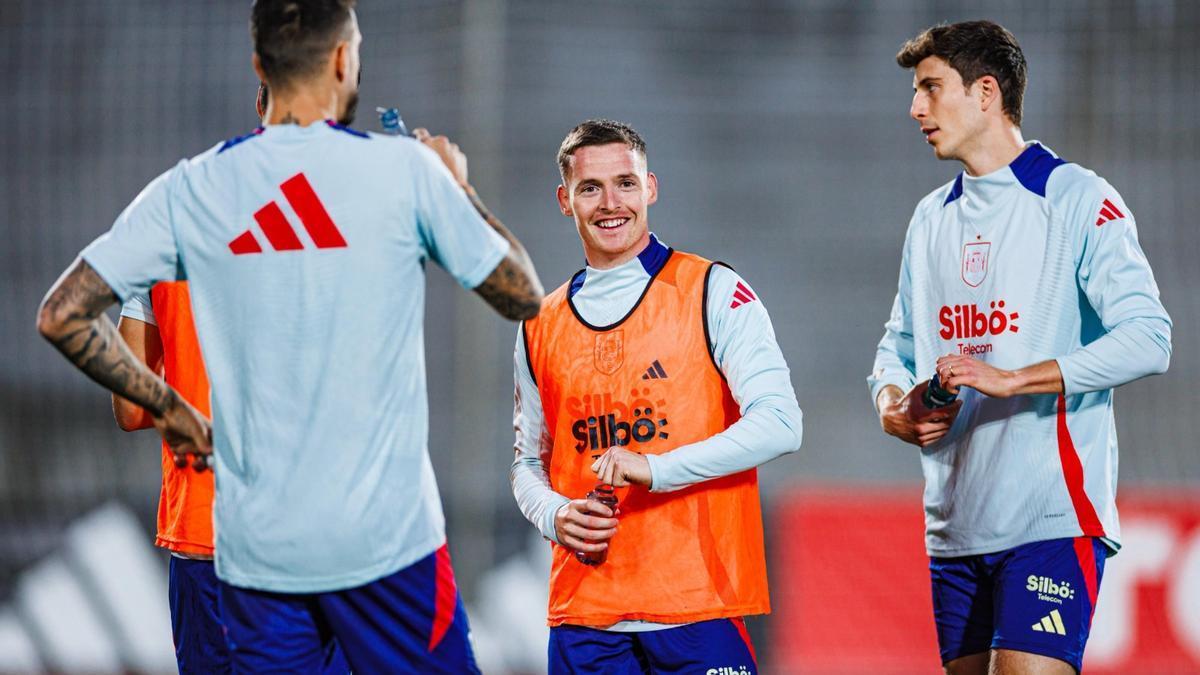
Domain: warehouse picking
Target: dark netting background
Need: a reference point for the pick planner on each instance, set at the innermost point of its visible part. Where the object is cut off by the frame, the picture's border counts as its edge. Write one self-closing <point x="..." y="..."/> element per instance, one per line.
<point x="780" y="136"/>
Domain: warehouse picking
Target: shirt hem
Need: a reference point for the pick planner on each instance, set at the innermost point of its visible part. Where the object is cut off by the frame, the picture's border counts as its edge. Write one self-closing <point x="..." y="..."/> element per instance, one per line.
<point x="183" y="546"/>
<point x="604" y="621"/>
<point x="327" y="584"/>
<point x="1004" y="545"/>
<point x="486" y="267"/>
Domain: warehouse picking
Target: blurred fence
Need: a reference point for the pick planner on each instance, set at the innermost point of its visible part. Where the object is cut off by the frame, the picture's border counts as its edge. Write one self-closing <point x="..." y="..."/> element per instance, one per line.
<point x="780" y="137"/>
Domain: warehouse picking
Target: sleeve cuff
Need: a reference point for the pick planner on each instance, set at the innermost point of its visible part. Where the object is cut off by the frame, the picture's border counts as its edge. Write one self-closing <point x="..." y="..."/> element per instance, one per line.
<point x="548" y="529"/>
<point x="487" y="265"/>
<point x="904" y="385"/>
<point x="1064" y="369"/>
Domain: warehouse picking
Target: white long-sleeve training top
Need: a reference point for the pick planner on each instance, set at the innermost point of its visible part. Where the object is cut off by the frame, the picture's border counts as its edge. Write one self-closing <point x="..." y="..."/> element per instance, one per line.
<point x="1038" y="260"/>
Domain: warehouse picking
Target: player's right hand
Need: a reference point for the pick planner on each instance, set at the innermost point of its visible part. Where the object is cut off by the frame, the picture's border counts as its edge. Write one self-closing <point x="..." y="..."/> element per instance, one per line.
<point x="906" y="418"/>
<point x="585" y="525"/>
<point x="187" y="433"/>
<point x="452" y="157"/>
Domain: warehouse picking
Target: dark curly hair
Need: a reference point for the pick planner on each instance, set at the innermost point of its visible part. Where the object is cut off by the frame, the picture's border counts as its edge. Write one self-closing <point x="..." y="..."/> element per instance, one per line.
<point x="974" y="49"/>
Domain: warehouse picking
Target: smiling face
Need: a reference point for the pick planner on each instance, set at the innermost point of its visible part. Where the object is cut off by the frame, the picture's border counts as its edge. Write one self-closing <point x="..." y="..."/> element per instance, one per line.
<point x="949" y="113"/>
<point x="608" y="191"/>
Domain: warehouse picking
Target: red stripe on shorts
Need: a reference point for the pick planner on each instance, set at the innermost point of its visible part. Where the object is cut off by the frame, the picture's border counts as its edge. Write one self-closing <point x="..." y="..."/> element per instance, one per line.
<point x="444" y="599"/>
<point x="1086" y="553"/>
<point x="740" y="624"/>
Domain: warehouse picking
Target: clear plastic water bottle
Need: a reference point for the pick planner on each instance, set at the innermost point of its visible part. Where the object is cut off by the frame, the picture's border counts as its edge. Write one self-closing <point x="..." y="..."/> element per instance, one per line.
<point x="392" y="122"/>
<point x="603" y="493"/>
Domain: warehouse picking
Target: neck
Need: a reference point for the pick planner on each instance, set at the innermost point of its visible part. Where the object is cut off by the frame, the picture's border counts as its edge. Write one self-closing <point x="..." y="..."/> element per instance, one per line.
<point x="994" y="150"/>
<point x="301" y="107"/>
<point x="602" y="261"/>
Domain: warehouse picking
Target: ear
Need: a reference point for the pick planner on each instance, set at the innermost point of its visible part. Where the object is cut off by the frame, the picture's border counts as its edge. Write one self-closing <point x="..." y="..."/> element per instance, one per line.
<point x="988" y="92"/>
<point x="564" y="202"/>
<point x="341" y="61"/>
<point x="651" y="187"/>
<point x="258" y="70"/>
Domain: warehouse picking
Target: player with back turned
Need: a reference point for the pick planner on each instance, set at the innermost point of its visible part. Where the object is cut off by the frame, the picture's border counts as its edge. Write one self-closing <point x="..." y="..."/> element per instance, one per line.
<point x="303" y="245"/>
<point x="656" y="374"/>
<point x="159" y="330"/>
<point x="1024" y="290"/>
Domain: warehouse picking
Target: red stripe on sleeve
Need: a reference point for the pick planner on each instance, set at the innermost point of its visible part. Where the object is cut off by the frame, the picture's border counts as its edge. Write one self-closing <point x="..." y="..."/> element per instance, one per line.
<point x="312" y="212"/>
<point x="273" y="223"/>
<point x="743" y="288"/>
<point x="1113" y="208"/>
<point x="1073" y="475"/>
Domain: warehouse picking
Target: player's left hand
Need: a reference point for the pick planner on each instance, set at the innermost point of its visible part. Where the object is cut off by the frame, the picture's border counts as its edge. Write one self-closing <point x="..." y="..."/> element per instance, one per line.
<point x="956" y="370"/>
<point x="619" y="467"/>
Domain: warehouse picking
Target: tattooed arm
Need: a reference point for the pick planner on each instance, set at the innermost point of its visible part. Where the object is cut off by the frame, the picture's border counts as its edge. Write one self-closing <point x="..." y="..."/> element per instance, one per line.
<point x="513" y="288"/>
<point x="72" y="319"/>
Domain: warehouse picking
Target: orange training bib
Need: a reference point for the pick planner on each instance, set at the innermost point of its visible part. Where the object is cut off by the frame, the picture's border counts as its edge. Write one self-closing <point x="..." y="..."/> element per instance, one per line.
<point x="648" y="384"/>
<point x="185" y="504"/>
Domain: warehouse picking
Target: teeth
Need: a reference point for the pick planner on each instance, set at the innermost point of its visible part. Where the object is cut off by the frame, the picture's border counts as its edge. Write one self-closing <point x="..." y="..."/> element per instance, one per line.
<point x="614" y="222"/>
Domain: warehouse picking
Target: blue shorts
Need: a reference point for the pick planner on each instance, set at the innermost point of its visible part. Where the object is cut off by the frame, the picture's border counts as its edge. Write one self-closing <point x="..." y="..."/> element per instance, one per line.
<point x="1037" y="598"/>
<point x="716" y="647"/>
<point x="195" y="620"/>
<point x="411" y="621"/>
<point x="196" y="623"/>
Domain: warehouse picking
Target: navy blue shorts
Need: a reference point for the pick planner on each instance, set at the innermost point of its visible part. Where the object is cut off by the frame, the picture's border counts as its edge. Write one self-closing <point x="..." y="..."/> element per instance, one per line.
<point x="1037" y="598"/>
<point x="196" y="623"/>
<point x="716" y="647"/>
<point x="411" y="621"/>
<point x="195" y="620"/>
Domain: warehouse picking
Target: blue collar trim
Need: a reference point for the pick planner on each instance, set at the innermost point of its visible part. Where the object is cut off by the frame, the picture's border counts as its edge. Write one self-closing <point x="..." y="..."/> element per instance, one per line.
<point x="955" y="191"/>
<point x="1033" y="168"/>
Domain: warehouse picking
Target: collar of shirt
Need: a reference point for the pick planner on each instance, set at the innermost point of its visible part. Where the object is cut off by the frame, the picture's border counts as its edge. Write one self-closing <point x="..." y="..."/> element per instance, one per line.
<point x="603" y="297"/>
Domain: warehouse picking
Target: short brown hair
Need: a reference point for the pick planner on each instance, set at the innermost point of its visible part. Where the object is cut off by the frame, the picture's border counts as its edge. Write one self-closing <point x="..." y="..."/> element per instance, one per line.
<point x="974" y="49"/>
<point x="292" y="37"/>
<point x="597" y="132"/>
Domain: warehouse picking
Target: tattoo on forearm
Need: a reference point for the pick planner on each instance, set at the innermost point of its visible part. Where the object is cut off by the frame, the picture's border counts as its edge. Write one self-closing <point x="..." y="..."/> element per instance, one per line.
<point x="513" y="288"/>
<point x="72" y="318"/>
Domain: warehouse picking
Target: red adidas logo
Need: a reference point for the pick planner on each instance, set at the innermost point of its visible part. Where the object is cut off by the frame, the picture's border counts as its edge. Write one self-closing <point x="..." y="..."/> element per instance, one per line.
<point x="1108" y="211"/>
<point x="280" y="235"/>
<point x="741" y="296"/>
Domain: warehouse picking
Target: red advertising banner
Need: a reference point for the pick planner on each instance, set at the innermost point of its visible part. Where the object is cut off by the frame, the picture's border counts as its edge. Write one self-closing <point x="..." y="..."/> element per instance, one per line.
<point x="851" y="585"/>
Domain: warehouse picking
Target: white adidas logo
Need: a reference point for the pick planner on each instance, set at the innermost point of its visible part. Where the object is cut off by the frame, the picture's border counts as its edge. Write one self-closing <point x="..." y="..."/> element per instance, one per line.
<point x="1051" y="623"/>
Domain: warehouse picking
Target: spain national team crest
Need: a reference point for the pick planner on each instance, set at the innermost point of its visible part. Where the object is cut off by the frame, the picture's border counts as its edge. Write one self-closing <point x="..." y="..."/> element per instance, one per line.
<point x="975" y="262"/>
<point x="610" y="351"/>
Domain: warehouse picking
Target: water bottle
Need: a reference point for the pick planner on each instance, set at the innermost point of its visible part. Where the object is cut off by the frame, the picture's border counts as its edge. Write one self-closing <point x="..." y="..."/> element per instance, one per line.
<point x="391" y="121"/>
<point x="603" y="493"/>
<point x="935" y="396"/>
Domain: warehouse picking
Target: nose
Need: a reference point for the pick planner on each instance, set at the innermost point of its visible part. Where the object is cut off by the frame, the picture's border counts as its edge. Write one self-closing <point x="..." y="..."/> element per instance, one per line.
<point x="609" y="201"/>
<point x="919" y="107"/>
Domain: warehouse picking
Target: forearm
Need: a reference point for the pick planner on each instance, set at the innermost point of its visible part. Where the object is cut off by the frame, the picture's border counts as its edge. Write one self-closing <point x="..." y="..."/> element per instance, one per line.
<point x="889" y="394"/>
<point x="1039" y="378"/>
<point x="537" y="500"/>
<point x="768" y="430"/>
<point x="71" y="318"/>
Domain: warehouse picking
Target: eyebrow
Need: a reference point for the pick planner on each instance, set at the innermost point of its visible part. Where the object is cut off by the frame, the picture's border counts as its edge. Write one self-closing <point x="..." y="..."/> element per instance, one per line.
<point x="926" y="81"/>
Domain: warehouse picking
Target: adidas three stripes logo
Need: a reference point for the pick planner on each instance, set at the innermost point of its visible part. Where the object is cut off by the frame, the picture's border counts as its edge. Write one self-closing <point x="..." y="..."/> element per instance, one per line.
<point x="278" y="231"/>
<point x="655" y="372"/>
